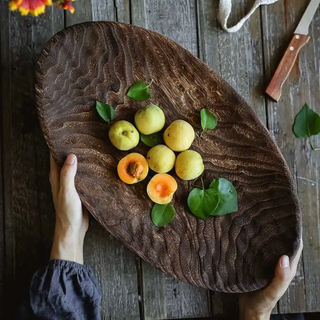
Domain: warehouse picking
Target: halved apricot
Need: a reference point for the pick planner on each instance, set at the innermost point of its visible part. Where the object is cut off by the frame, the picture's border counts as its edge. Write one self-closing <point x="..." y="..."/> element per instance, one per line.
<point x="161" y="188"/>
<point x="133" y="168"/>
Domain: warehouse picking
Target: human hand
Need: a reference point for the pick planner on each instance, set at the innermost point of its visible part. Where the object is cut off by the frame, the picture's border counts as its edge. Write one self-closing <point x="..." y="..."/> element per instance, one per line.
<point x="258" y="305"/>
<point x="71" y="217"/>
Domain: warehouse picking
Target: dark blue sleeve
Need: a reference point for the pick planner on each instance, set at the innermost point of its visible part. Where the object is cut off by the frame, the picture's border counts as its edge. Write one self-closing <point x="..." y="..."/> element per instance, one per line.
<point x="65" y="290"/>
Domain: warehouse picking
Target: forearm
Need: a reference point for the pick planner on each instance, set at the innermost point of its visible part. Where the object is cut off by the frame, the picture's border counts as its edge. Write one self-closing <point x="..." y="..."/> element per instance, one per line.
<point x="67" y="246"/>
<point x="248" y="314"/>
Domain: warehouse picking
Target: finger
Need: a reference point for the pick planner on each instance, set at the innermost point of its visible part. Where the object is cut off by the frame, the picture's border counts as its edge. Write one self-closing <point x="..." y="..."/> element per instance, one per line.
<point x="281" y="280"/>
<point x="285" y="271"/>
<point x="68" y="172"/>
<point x="54" y="176"/>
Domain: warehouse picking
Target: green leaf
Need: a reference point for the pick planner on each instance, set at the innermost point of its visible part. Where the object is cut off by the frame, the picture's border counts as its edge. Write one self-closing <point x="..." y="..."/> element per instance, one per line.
<point x="208" y="119"/>
<point x="139" y="91"/>
<point x="306" y="123"/>
<point x="162" y="214"/>
<point x="227" y="194"/>
<point x="220" y="199"/>
<point x="202" y="202"/>
<point x="151" y="140"/>
<point x="106" y="112"/>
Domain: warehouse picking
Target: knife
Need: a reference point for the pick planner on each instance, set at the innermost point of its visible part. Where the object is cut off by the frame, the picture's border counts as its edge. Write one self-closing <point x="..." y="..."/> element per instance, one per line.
<point x="300" y="38"/>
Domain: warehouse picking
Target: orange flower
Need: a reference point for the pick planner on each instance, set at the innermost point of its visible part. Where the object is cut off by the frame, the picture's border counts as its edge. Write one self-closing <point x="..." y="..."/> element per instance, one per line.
<point x="65" y="4"/>
<point x="34" y="7"/>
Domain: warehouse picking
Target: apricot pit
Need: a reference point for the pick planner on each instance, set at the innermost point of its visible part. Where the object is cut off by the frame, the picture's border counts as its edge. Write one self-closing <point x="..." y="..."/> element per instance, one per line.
<point x="133" y="168"/>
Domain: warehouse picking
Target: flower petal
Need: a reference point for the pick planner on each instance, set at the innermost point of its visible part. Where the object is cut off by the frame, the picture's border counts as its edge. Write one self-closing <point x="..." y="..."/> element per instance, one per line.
<point x="35" y="7"/>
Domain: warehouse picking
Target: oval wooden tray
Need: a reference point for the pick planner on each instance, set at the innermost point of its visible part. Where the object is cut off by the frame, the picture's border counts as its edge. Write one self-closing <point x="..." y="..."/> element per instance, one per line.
<point x="99" y="61"/>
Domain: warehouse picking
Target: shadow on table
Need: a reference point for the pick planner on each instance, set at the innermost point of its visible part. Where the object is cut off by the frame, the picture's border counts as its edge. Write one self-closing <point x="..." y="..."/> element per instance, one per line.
<point x="293" y="316"/>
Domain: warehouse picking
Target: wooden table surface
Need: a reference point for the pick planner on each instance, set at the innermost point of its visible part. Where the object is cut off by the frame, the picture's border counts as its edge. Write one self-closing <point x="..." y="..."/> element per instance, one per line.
<point x="131" y="289"/>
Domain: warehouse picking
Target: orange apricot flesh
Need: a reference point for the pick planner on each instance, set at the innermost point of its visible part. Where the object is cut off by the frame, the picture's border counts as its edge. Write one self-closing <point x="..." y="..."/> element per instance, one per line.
<point x="161" y="188"/>
<point x="133" y="168"/>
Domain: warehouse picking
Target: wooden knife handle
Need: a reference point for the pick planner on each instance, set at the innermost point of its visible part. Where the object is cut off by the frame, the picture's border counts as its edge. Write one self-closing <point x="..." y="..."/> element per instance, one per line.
<point x="285" y="66"/>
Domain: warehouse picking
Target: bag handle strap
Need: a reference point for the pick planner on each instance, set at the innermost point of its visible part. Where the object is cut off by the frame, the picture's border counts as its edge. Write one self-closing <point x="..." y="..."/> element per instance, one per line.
<point x="225" y="7"/>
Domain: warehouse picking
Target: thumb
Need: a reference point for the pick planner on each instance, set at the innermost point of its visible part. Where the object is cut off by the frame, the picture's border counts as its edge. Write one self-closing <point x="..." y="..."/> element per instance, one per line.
<point x="281" y="280"/>
<point x="68" y="172"/>
<point x="282" y="273"/>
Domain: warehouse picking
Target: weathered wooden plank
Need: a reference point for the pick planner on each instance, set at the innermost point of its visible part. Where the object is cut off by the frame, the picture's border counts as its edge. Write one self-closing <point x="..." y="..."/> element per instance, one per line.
<point x="138" y="13"/>
<point x="169" y="298"/>
<point x="300" y="87"/>
<point x="4" y="55"/>
<point x="83" y="13"/>
<point x="4" y="101"/>
<point x="308" y="173"/>
<point x="2" y="243"/>
<point x="103" y="10"/>
<point x="23" y="194"/>
<point x="174" y="19"/>
<point x="112" y="263"/>
<point x="123" y="11"/>
<point x="238" y="59"/>
<point x="225" y="305"/>
<point x="115" y="268"/>
<point x="55" y="18"/>
<point x="6" y="118"/>
<point x="22" y="221"/>
<point x="118" y="10"/>
<point x="164" y="297"/>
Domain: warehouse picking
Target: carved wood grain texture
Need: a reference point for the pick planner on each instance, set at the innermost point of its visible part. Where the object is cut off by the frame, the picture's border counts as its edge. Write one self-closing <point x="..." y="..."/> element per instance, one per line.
<point x="234" y="253"/>
<point x="113" y="264"/>
<point x="302" y="86"/>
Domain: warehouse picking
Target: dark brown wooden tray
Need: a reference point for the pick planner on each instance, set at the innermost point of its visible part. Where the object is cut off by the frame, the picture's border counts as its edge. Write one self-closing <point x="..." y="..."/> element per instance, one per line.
<point x="99" y="61"/>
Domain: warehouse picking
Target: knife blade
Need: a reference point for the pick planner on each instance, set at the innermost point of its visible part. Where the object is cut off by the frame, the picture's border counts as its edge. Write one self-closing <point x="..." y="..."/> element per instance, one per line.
<point x="303" y="26"/>
<point x="300" y="38"/>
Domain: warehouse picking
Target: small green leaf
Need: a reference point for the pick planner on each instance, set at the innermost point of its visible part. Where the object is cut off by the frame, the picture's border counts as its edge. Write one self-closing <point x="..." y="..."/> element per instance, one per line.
<point x="139" y="91"/>
<point x="227" y="194"/>
<point x="208" y="119"/>
<point x="106" y="112"/>
<point x="151" y="140"/>
<point x="202" y="202"/>
<point x="306" y="123"/>
<point x="162" y="214"/>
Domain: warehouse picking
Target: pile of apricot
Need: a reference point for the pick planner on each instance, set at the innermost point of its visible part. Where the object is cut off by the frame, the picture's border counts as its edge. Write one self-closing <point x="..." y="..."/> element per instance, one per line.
<point x="178" y="137"/>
